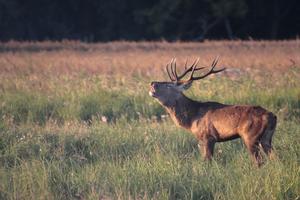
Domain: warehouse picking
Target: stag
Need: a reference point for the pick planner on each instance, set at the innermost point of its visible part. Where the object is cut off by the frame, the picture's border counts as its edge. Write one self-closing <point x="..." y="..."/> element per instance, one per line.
<point x="212" y="122"/>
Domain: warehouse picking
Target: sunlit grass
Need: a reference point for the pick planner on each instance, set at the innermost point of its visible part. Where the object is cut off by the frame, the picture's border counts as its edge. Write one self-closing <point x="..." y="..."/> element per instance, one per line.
<point x="80" y="134"/>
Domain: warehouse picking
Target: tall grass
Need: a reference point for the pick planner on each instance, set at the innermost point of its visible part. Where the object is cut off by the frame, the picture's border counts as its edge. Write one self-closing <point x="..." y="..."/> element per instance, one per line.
<point x="131" y="160"/>
<point x="81" y="135"/>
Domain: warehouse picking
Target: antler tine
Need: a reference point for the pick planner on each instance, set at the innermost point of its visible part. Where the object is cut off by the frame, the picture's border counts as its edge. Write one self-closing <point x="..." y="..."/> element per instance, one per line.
<point x="194" y="67"/>
<point x="174" y="69"/>
<point x="211" y="71"/>
<point x="167" y="68"/>
<point x="191" y="68"/>
<point x="185" y="64"/>
<point x="215" y="61"/>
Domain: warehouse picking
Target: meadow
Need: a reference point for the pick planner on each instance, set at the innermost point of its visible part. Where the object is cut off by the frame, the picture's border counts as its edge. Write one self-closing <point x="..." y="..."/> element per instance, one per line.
<point x="76" y="121"/>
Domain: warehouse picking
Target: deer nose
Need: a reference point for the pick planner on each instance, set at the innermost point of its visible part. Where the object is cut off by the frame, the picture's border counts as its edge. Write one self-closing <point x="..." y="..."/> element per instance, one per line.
<point x="153" y="85"/>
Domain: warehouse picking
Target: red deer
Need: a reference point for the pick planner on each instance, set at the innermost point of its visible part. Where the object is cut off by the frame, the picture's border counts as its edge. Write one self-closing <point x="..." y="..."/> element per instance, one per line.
<point x="212" y="122"/>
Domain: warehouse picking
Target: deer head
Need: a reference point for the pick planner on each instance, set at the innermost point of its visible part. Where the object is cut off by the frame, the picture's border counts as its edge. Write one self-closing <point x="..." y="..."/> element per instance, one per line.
<point x="168" y="92"/>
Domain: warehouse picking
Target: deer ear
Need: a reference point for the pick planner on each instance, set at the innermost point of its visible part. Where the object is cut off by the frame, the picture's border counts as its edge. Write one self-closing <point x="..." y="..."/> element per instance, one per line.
<point x="185" y="86"/>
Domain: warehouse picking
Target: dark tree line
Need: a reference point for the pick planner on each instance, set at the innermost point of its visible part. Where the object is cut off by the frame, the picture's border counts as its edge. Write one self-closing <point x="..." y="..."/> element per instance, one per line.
<point x="105" y="20"/>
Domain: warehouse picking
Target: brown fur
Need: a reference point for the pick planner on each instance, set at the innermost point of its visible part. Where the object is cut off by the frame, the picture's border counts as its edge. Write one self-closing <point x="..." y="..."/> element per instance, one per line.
<point x="213" y="122"/>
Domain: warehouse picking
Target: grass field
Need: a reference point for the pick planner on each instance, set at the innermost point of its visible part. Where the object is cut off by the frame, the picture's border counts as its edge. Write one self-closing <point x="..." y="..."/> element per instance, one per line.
<point x="76" y="121"/>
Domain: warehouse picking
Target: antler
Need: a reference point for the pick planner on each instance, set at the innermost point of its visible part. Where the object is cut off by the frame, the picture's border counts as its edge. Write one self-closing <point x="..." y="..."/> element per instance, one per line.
<point x="211" y="71"/>
<point x="187" y="70"/>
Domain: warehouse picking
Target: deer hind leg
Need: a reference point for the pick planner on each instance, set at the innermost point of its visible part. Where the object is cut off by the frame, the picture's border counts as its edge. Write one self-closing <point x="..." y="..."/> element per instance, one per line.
<point x="253" y="148"/>
<point x="207" y="149"/>
<point x="266" y="138"/>
<point x="266" y="143"/>
<point x="251" y="140"/>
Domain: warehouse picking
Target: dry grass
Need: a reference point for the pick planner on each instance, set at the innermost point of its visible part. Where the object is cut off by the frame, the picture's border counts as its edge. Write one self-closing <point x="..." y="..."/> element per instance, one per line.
<point x="49" y="65"/>
<point x="146" y="58"/>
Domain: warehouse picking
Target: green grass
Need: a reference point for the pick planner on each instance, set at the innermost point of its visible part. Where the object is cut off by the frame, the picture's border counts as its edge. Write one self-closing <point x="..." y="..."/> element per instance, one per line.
<point x="132" y="160"/>
<point x="54" y="145"/>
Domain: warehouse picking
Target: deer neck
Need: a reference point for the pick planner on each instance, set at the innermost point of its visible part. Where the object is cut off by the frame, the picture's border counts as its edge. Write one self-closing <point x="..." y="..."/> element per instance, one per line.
<point x="182" y="110"/>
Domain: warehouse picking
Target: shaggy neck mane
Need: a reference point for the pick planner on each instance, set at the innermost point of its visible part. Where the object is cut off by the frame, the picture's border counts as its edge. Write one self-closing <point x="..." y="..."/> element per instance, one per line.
<point x="182" y="110"/>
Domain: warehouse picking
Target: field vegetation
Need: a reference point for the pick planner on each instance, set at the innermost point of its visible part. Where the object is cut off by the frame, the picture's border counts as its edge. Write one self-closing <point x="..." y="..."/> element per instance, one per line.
<point x="76" y="121"/>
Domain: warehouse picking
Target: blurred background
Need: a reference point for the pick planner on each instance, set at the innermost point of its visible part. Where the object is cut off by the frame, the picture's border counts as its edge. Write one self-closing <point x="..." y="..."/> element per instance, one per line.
<point x="171" y="20"/>
<point x="76" y="119"/>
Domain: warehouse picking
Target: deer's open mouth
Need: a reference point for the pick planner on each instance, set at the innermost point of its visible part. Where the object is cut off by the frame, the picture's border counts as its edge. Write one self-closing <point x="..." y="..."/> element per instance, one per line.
<point x="152" y="91"/>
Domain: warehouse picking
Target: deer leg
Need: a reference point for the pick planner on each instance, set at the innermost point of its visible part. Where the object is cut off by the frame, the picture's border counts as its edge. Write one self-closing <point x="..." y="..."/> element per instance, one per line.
<point x="207" y="149"/>
<point x="252" y="134"/>
<point x="253" y="148"/>
<point x="266" y="143"/>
